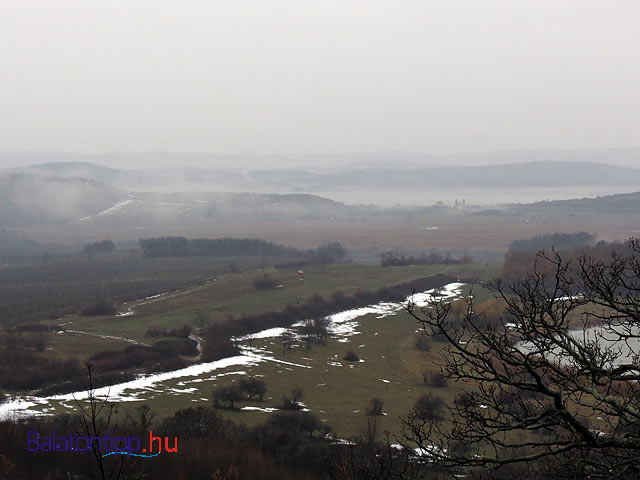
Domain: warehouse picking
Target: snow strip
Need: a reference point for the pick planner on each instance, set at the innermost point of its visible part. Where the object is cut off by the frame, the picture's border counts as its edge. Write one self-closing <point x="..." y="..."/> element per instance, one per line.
<point x="127" y="391"/>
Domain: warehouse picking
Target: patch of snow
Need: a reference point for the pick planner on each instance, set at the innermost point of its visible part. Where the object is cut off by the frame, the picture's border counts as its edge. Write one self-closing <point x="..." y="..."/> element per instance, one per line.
<point x="123" y="392"/>
<point x="249" y="353"/>
<point x="108" y="211"/>
<point x="340" y="441"/>
<point x="260" y="409"/>
<point x="269" y="333"/>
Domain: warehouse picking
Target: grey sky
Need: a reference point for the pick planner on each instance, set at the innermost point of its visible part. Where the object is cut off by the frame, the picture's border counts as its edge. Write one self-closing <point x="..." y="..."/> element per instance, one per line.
<point x="285" y="76"/>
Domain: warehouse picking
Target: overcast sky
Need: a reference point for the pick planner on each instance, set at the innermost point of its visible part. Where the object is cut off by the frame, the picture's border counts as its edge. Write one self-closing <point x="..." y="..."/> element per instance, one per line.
<point x="318" y="76"/>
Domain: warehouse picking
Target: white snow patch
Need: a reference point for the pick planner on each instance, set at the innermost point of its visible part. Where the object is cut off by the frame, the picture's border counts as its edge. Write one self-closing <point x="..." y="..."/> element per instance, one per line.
<point x="451" y="290"/>
<point x="123" y="392"/>
<point x="269" y="333"/>
<point x="108" y="211"/>
<point x="260" y="409"/>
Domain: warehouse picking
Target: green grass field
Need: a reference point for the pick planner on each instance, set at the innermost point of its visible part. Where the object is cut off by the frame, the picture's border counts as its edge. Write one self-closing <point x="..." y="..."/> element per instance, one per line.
<point x="233" y="294"/>
<point x="335" y="390"/>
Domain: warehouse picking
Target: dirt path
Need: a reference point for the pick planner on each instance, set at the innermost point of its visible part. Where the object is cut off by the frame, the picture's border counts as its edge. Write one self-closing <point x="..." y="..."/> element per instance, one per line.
<point x="111" y="337"/>
<point x="145" y="301"/>
<point x="198" y="341"/>
<point x="160" y="297"/>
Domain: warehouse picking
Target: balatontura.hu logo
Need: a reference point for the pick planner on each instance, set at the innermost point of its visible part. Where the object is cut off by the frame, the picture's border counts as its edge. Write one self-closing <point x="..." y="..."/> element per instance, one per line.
<point x="105" y="444"/>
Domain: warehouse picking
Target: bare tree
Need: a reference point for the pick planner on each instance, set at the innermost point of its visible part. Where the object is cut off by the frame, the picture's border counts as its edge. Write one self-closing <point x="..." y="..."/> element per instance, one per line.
<point x="227" y="396"/>
<point x="293" y="402"/>
<point x="287" y="338"/>
<point x="551" y="386"/>
<point x="253" y="387"/>
<point x="96" y="419"/>
<point x="142" y="418"/>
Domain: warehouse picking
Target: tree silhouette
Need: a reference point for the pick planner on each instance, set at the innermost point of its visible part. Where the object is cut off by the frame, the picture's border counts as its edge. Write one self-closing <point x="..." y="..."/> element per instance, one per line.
<point x="551" y="386"/>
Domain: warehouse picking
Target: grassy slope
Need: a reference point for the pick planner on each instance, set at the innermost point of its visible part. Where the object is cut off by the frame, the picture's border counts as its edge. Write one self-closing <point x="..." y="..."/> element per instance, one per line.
<point x="339" y="395"/>
<point x="233" y="294"/>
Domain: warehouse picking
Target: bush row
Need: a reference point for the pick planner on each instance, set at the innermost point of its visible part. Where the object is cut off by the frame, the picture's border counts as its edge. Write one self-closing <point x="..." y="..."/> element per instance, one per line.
<point x="216" y="336"/>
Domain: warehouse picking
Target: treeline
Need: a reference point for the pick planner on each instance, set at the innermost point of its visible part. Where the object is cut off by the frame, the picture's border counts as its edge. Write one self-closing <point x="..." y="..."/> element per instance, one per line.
<point x="238" y="247"/>
<point x="548" y="241"/>
<point x="288" y="445"/>
<point x="519" y="263"/>
<point x="215" y="247"/>
<point x="24" y="368"/>
<point x="116" y="366"/>
<point x="218" y="336"/>
<point x="105" y="246"/>
<point x="399" y="258"/>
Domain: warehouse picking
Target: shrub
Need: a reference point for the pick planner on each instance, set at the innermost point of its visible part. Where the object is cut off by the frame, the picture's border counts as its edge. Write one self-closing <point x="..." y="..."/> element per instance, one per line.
<point x="265" y="282"/>
<point x="434" y="379"/>
<point x="216" y="348"/>
<point x="227" y="396"/>
<point x="303" y="423"/>
<point x="99" y="308"/>
<point x="423" y="342"/>
<point x="292" y="403"/>
<point x="181" y="346"/>
<point x="156" y="332"/>
<point x="180" y="332"/>
<point x="351" y="357"/>
<point x="429" y="407"/>
<point x="105" y="246"/>
<point x="193" y="422"/>
<point x="375" y="406"/>
<point x="38" y="340"/>
<point x="253" y="387"/>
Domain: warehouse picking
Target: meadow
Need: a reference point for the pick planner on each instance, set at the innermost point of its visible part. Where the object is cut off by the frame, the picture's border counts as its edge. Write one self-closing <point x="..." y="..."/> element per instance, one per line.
<point x="337" y="391"/>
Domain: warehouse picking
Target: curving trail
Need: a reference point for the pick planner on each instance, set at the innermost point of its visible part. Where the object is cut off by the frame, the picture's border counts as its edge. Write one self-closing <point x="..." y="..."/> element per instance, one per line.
<point x="145" y="301"/>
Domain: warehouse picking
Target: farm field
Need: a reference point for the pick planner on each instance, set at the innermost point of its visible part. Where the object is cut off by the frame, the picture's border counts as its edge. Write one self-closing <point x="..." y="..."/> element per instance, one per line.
<point x="337" y="391"/>
<point x="234" y="294"/>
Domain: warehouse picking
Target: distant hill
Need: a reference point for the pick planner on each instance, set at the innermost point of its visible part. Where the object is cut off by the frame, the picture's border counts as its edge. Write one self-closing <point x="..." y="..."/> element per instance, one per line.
<point x="628" y="157"/>
<point x="86" y="194"/>
<point x="164" y="179"/>
<point x="32" y="200"/>
<point x="621" y="203"/>
<point x="198" y="208"/>
<point x="622" y="208"/>
<point x="531" y="174"/>
<point x="286" y="180"/>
